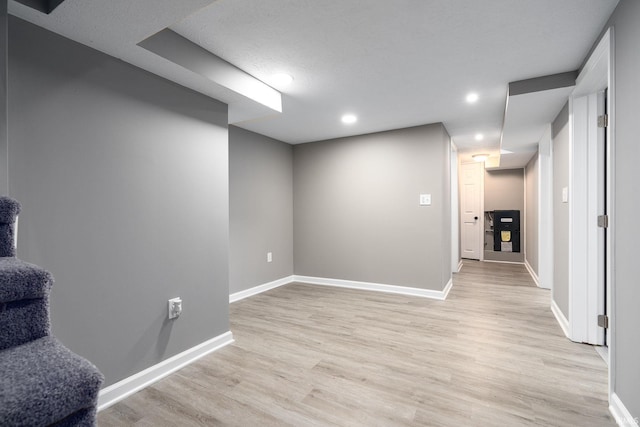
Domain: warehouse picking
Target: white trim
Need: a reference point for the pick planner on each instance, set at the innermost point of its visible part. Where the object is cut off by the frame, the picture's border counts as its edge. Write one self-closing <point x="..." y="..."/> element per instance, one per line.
<point x="455" y="209"/>
<point x="579" y="248"/>
<point x="497" y="261"/>
<point x="620" y="412"/>
<point x="586" y="256"/>
<point x="378" y="287"/>
<point x="611" y="202"/>
<point x="595" y="74"/>
<point x="447" y="288"/>
<point x="603" y="352"/>
<point x="483" y="173"/>
<point x="562" y="321"/>
<point x="125" y="388"/>
<point x="533" y="274"/>
<point x="524" y="216"/>
<point x="237" y="296"/>
<point x="595" y="206"/>
<point x="460" y="264"/>
<point x="545" y="211"/>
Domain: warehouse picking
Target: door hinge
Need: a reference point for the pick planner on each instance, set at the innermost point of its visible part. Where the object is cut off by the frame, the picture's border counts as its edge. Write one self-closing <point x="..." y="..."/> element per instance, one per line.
<point x="603" y="121"/>
<point x="603" y="321"/>
<point x="603" y="221"/>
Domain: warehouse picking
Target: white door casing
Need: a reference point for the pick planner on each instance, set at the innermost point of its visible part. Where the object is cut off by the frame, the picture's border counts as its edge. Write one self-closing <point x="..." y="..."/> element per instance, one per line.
<point x="455" y="211"/>
<point x="587" y="241"/>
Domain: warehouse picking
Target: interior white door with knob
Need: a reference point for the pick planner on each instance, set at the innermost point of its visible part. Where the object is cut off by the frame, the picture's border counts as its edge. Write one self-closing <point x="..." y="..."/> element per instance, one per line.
<point x="471" y="215"/>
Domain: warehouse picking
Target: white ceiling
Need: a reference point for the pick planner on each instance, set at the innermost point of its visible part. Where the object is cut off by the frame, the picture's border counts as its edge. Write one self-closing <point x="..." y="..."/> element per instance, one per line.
<point x="393" y="63"/>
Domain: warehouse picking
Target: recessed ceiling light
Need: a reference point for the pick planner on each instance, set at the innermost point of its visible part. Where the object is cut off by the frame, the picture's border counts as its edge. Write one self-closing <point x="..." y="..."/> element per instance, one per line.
<point x="349" y="119"/>
<point x="480" y="157"/>
<point x="281" y="79"/>
<point x="472" y="97"/>
<point x="479" y="137"/>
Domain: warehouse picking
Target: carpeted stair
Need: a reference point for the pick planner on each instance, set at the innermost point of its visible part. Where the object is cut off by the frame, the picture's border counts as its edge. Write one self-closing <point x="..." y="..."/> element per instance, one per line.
<point x="42" y="383"/>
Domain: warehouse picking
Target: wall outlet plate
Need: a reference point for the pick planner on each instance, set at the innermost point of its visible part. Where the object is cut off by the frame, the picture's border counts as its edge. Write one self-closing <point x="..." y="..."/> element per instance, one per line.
<point x="175" y="307"/>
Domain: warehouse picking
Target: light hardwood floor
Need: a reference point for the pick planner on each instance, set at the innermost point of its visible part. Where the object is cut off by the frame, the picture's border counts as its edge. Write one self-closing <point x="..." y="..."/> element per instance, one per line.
<point x="492" y="354"/>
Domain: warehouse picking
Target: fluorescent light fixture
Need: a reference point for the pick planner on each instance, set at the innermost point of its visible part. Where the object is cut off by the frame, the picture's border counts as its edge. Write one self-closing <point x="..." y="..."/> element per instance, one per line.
<point x="472" y="97"/>
<point x="348" y="119"/>
<point x="281" y="79"/>
<point x="480" y="157"/>
<point x="479" y="137"/>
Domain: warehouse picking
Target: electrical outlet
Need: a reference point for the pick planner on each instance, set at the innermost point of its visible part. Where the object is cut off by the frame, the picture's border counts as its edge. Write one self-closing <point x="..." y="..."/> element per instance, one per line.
<point x="269" y="256"/>
<point x="175" y="307"/>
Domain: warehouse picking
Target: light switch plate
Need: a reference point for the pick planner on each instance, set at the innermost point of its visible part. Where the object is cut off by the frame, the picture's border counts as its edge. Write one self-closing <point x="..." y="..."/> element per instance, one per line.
<point x="565" y="194"/>
<point x="425" y="199"/>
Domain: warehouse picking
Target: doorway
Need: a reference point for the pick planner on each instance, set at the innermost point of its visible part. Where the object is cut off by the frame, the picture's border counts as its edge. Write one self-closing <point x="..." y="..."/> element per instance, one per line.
<point x="471" y="208"/>
<point x="591" y="286"/>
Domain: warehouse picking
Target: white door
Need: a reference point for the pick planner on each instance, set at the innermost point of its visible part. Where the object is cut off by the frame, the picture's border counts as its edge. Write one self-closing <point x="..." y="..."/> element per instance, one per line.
<point x="470" y="209"/>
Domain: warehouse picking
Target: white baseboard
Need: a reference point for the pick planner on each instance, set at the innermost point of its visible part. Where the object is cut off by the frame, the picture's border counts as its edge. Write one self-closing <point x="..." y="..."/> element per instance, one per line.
<point x="459" y="266"/>
<point x="378" y="287"/>
<point x="447" y="288"/>
<point x="533" y="274"/>
<point x="122" y="389"/>
<point x="564" y="323"/>
<point x="620" y="413"/>
<point x="259" y="289"/>
<point x="504" y="262"/>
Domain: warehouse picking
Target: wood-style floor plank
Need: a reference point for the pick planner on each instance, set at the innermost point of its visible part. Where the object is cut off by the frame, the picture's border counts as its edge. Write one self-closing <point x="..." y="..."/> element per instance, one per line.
<point x="492" y="354"/>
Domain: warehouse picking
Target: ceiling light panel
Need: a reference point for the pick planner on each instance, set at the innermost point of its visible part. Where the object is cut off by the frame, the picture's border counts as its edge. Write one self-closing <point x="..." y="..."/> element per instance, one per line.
<point x="472" y="98"/>
<point x="281" y="79"/>
<point x="349" y="119"/>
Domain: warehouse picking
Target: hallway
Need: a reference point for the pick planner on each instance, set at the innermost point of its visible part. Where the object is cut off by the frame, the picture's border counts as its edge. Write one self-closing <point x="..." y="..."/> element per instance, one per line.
<point x="492" y="354"/>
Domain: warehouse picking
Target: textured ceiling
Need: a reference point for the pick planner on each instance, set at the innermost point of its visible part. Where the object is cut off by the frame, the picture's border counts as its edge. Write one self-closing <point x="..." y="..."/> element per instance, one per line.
<point x="393" y="63"/>
<point x="396" y="63"/>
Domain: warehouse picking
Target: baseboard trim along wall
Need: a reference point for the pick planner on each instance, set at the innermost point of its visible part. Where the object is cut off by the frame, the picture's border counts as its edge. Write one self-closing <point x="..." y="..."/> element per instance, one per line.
<point x="504" y="262"/>
<point x="459" y="266"/>
<point x="237" y="296"/>
<point x="622" y="416"/>
<point x="533" y="274"/>
<point x="122" y="389"/>
<point x="564" y="323"/>
<point x="378" y="287"/>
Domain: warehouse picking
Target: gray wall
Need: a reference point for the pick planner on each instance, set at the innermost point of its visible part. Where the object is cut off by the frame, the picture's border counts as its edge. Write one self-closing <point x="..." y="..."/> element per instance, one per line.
<point x="356" y="211"/>
<point x="4" y="52"/>
<point x="261" y="209"/>
<point x="123" y="178"/>
<point x="560" y="149"/>
<point x="627" y="203"/>
<point x="504" y="190"/>
<point x="531" y="173"/>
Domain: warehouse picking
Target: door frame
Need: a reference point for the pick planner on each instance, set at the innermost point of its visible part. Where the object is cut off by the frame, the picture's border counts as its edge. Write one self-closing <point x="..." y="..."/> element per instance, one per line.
<point x="456" y="261"/>
<point x="545" y="210"/>
<point x="585" y="289"/>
